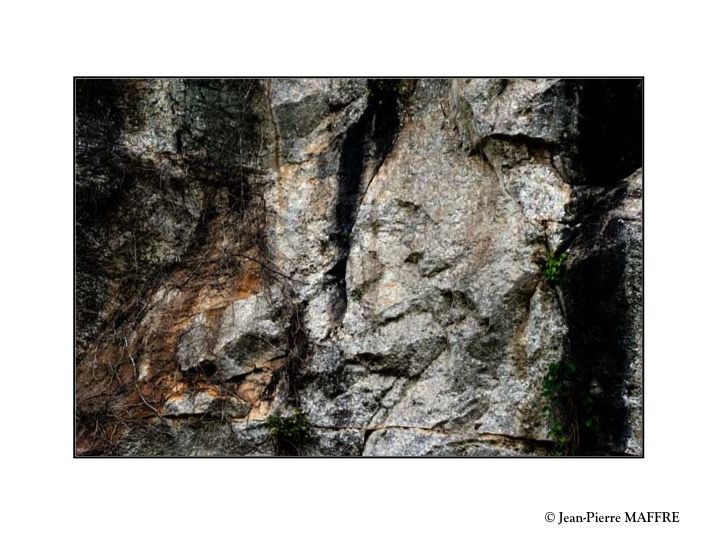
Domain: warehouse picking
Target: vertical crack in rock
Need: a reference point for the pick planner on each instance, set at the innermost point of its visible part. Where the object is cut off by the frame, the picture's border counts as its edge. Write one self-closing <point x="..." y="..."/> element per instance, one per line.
<point x="363" y="150"/>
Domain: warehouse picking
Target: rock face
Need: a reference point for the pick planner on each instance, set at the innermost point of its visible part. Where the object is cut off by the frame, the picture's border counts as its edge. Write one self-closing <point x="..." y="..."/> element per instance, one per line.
<point x="346" y="267"/>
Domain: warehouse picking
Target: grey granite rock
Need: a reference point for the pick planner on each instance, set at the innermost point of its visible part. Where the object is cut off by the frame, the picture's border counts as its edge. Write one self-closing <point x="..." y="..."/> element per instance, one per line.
<point x="544" y="109"/>
<point x="367" y="252"/>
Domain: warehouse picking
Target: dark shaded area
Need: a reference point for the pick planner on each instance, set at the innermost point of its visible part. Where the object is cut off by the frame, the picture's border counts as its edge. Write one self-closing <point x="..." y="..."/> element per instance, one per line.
<point x="205" y="369"/>
<point x="101" y="106"/>
<point x="597" y="313"/>
<point x="609" y="144"/>
<point x="594" y="284"/>
<point x="596" y="308"/>
<point x="364" y="148"/>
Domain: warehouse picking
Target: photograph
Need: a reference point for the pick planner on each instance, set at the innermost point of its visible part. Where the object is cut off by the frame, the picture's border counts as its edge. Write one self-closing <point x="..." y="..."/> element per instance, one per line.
<point x="359" y="271"/>
<point x="358" y="267"/>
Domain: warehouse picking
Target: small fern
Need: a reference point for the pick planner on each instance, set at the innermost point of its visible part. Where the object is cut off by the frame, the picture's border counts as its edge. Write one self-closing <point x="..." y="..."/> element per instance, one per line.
<point x="553" y="270"/>
<point x="568" y="407"/>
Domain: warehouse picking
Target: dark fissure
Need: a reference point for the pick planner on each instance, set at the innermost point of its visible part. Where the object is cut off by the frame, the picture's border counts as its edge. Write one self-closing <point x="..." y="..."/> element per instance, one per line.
<point x="363" y="150"/>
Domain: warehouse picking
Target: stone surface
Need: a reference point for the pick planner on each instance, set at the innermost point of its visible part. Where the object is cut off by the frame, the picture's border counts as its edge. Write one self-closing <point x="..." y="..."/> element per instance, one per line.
<point x="544" y="109"/>
<point x="367" y="252"/>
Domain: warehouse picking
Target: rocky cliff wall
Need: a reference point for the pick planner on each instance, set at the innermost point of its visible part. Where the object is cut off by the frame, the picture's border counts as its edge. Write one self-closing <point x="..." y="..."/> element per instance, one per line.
<point x="346" y="267"/>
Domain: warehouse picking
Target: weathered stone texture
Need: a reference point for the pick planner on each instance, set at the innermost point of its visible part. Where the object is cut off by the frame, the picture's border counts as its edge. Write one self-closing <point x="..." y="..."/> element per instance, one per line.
<point x="368" y="252"/>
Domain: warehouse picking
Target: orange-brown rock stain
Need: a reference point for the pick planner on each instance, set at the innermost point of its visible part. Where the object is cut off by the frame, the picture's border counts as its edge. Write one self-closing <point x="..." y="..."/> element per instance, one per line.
<point x="132" y="370"/>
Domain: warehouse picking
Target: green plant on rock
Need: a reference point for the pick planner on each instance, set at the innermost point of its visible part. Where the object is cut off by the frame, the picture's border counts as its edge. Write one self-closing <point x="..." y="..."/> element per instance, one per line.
<point x="290" y="433"/>
<point x="568" y="410"/>
<point x="553" y="269"/>
<point x="558" y="389"/>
